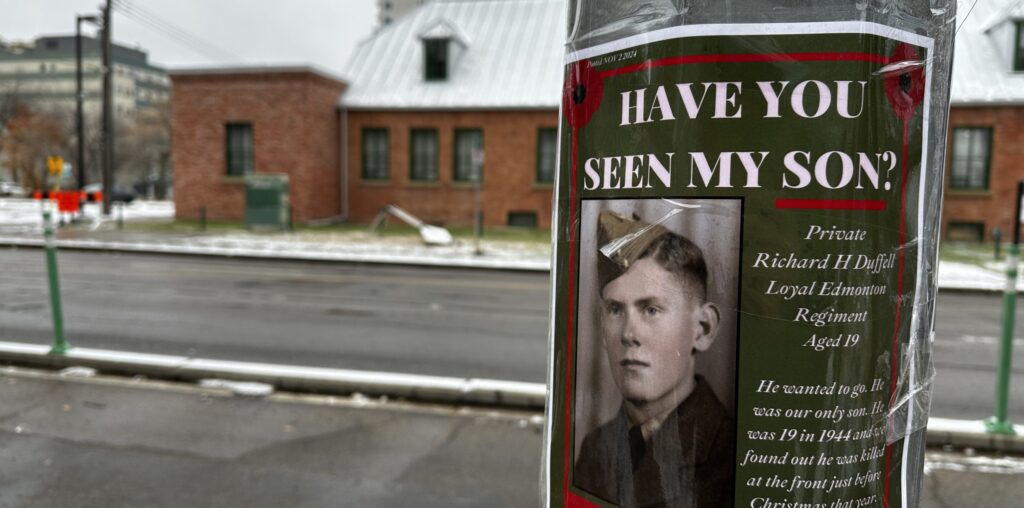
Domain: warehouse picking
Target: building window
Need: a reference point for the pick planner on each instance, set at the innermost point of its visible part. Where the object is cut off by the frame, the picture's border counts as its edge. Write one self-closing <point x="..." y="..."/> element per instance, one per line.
<point x="375" y="154"/>
<point x="423" y="155"/>
<point x="239" y="149"/>
<point x="965" y="231"/>
<point x="522" y="220"/>
<point x="436" y="61"/>
<point x="547" y="154"/>
<point x="1018" y="48"/>
<point x="972" y="147"/>
<point x="468" y="142"/>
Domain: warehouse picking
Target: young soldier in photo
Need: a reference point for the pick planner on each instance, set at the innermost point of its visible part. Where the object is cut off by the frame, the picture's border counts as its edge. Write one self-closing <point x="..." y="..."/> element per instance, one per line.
<point x="671" y="443"/>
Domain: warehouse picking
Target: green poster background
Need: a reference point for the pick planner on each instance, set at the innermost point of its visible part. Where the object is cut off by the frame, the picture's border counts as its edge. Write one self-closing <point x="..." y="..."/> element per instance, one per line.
<point x="775" y="349"/>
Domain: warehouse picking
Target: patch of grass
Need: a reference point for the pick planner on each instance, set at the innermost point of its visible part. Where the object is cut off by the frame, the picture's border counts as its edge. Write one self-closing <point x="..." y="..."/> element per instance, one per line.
<point x="978" y="254"/>
<point x="526" y="235"/>
<point x="182" y="226"/>
<point x="464" y="233"/>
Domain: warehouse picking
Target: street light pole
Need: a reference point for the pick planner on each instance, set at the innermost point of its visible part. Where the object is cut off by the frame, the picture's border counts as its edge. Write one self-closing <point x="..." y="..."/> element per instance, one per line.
<point x="79" y="96"/>
<point x="108" y="109"/>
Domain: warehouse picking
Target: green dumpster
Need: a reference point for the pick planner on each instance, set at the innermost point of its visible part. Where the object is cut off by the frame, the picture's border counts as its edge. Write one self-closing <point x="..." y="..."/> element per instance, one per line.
<point x="266" y="201"/>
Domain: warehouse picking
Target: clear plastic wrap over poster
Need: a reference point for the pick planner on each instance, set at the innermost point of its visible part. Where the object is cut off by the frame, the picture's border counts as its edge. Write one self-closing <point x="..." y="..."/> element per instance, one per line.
<point x="809" y="246"/>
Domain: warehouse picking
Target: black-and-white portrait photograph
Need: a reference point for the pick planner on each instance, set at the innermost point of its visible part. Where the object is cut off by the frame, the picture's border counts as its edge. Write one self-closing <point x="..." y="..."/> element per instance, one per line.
<point x="654" y="404"/>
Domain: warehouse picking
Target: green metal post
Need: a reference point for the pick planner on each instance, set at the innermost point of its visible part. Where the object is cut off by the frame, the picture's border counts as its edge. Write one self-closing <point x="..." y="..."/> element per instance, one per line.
<point x="60" y="346"/>
<point x="1000" y="424"/>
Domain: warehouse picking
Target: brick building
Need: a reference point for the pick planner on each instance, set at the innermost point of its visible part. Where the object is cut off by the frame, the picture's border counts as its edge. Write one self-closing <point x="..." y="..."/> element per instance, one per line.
<point x="230" y="122"/>
<point x="449" y="80"/>
<point x="985" y="149"/>
<point x="451" y="90"/>
<point x="455" y="83"/>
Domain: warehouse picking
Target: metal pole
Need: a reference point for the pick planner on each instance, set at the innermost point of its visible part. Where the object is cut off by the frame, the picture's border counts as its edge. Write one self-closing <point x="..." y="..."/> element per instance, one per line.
<point x="80" y="97"/>
<point x="478" y="170"/>
<point x="108" y="110"/>
<point x="999" y="424"/>
<point x="78" y="102"/>
<point x="477" y="222"/>
<point x="60" y="346"/>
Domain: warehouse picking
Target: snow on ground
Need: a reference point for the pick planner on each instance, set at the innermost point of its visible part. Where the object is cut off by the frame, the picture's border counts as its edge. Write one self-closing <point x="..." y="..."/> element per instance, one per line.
<point x="26" y="215"/>
<point x="953" y="275"/>
<point x="21" y="224"/>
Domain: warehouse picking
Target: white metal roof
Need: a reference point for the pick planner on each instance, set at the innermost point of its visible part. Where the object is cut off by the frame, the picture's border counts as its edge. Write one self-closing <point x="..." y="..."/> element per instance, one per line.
<point x="982" y="64"/>
<point x="512" y="58"/>
<point x="255" y="69"/>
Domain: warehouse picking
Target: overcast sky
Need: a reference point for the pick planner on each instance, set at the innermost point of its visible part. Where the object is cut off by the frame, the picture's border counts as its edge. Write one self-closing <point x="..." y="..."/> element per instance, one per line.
<point x="200" y="33"/>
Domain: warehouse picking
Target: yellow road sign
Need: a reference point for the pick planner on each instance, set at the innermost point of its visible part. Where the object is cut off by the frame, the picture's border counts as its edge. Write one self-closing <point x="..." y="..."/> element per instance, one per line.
<point x="55" y="164"/>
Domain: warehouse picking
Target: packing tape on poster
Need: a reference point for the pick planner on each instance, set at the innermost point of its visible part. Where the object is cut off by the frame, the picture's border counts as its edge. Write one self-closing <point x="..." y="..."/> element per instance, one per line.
<point x="911" y="400"/>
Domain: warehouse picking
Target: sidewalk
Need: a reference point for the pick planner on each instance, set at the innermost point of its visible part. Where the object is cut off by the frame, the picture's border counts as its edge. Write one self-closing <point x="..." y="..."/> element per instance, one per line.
<point x="114" y="442"/>
<point x="417" y="388"/>
<point x="119" y="442"/>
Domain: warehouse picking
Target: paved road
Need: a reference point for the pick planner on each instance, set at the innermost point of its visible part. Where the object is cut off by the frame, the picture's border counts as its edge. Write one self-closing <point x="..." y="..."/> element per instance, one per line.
<point x="411" y="320"/>
<point x="111" y="443"/>
<point x="415" y="320"/>
<point x="966" y="351"/>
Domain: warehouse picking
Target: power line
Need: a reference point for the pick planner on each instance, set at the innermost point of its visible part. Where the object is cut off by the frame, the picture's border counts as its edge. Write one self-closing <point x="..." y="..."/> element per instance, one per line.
<point x="174" y="32"/>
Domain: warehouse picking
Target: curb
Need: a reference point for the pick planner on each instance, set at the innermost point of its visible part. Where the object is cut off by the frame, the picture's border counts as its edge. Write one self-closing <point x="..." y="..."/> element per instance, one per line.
<point x="341" y="257"/>
<point x="972" y="434"/>
<point x="421" y="388"/>
<point x="336" y="257"/>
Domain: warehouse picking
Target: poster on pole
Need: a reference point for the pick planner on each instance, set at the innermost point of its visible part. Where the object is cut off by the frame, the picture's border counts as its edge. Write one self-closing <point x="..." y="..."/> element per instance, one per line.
<point x="737" y="265"/>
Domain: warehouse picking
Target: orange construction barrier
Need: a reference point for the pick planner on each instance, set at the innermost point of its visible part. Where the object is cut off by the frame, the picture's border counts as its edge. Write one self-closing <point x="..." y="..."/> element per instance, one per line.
<point x="68" y="201"/>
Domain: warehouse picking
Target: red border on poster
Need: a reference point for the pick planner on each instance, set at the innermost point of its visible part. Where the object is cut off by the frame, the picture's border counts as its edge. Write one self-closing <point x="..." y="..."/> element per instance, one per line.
<point x="571" y="499"/>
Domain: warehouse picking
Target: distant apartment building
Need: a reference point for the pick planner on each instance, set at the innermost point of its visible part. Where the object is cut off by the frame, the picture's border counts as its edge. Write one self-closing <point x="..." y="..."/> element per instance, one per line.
<point x="42" y="73"/>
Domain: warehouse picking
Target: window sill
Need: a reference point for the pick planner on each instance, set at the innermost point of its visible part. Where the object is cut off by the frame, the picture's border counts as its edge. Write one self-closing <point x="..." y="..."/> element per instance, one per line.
<point x="233" y="179"/>
<point x="969" y="193"/>
<point x="374" y="182"/>
<point x="465" y="184"/>
<point x="544" y="185"/>
<point x="424" y="183"/>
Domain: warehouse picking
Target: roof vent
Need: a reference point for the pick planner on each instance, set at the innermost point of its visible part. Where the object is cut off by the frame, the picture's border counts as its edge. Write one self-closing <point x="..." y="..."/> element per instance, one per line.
<point x="443" y="45"/>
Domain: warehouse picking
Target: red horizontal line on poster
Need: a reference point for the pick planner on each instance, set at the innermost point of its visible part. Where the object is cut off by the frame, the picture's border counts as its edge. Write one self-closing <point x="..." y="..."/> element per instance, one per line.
<point x="831" y="204"/>
<point x="750" y="58"/>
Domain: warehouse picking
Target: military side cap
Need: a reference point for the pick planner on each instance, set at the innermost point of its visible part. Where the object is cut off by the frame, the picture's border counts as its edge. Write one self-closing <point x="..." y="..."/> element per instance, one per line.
<point x="621" y="241"/>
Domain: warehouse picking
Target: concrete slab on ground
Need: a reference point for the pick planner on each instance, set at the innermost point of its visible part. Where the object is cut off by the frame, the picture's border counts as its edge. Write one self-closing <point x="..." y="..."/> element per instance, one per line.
<point x="104" y="442"/>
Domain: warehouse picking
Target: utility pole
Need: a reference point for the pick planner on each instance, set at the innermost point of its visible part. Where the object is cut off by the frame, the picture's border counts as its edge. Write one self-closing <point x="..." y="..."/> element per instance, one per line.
<point x="80" y="96"/>
<point x="108" y="109"/>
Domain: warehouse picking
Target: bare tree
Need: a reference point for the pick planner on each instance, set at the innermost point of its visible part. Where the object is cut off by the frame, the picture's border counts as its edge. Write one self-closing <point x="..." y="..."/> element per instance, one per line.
<point x="9" y="100"/>
<point x="28" y="139"/>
